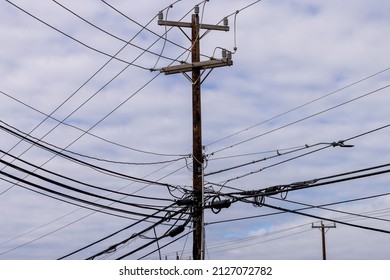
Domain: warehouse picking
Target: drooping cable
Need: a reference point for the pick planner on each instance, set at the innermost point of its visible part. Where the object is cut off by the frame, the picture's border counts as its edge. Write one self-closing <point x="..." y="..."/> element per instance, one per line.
<point x="114" y="36"/>
<point x="304" y="118"/>
<point x="49" y="116"/>
<point x="301" y="106"/>
<point x="326" y="219"/>
<point x="115" y="233"/>
<point x="59" y="153"/>
<point x="76" y="40"/>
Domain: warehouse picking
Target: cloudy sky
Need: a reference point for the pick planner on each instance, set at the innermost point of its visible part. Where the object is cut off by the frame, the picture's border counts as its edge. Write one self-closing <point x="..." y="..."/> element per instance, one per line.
<point x="95" y="139"/>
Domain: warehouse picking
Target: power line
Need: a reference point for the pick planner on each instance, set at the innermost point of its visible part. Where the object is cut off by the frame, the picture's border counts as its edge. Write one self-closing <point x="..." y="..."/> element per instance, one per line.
<point x="301" y="106"/>
<point x="340" y="143"/>
<point x="169" y="243"/>
<point x="75" y="181"/>
<point x="114" y="36"/>
<point x="333" y="210"/>
<point x="76" y="40"/>
<point x="113" y="247"/>
<point x="85" y="131"/>
<point x="136" y="179"/>
<point x="326" y="219"/>
<point x="304" y="118"/>
<point x="70" y="188"/>
<point x="91" y="98"/>
<point x="71" y="223"/>
<point x="151" y="31"/>
<point x="116" y="232"/>
<point x="62" y="122"/>
<point x="36" y="140"/>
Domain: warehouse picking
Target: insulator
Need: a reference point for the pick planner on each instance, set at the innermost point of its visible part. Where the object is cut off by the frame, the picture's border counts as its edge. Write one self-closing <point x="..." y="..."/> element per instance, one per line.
<point x="160" y="15"/>
<point x="225" y="21"/>
<point x="223" y="53"/>
<point x="196" y="9"/>
<point x="229" y="55"/>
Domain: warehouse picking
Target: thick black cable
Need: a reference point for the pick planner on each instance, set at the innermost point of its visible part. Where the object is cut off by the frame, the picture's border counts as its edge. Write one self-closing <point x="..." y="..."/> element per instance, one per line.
<point x="80" y="182"/>
<point x="62" y="227"/>
<point x="74" y="189"/>
<point x="77" y="199"/>
<point x="312" y="183"/>
<point x="300" y="209"/>
<point x="331" y="210"/>
<point x="115" y="233"/>
<point x="82" y="130"/>
<point x="326" y="219"/>
<point x="334" y="144"/>
<point x="154" y="240"/>
<point x="165" y="245"/>
<point x="65" y="201"/>
<point x="113" y="247"/>
<point x="140" y="180"/>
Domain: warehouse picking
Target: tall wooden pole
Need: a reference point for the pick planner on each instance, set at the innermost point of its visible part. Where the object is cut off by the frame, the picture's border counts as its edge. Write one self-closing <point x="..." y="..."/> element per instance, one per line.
<point x="197" y="143"/>
<point x="196" y="67"/>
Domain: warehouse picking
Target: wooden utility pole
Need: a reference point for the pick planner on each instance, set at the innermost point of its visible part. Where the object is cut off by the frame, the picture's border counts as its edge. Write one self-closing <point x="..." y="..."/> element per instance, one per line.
<point x="196" y="67"/>
<point x="323" y="227"/>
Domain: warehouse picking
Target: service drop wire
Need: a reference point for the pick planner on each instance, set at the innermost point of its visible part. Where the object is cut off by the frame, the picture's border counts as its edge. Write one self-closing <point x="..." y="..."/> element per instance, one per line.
<point x="151" y="242"/>
<point x="165" y="245"/>
<point x="310" y="206"/>
<point x="302" y="119"/>
<point x="325" y="219"/>
<point x="83" y="162"/>
<point x="298" y="210"/>
<point x="113" y="247"/>
<point x="117" y="232"/>
<point x="278" y="189"/>
<point x="77" y="181"/>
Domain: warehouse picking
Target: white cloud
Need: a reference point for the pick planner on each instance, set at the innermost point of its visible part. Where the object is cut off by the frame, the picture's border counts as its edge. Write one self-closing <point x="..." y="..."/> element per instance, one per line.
<point x="289" y="53"/>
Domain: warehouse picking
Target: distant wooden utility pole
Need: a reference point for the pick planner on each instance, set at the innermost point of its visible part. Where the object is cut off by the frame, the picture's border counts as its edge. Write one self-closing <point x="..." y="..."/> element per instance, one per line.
<point x="323" y="227"/>
<point x="196" y="67"/>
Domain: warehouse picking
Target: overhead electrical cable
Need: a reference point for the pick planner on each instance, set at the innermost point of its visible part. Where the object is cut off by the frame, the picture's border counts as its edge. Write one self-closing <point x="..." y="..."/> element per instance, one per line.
<point x="93" y="211"/>
<point x="77" y="181"/>
<point x="301" y="106"/>
<point x="260" y="194"/>
<point x="116" y="232"/>
<point x="87" y="132"/>
<point x="70" y="197"/>
<point x="359" y="215"/>
<point x="172" y="231"/>
<point x="67" y="187"/>
<point x="304" y="118"/>
<point x="326" y="219"/>
<point x="113" y="247"/>
<point x="165" y="245"/>
<point x="63" y="121"/>
<point x="76" y="40"/>
<point x="141" y="180"/>
<point x="114" y="36"/>
<point x="74" y="203"/>
<point x="340" y="143"/>
<point x="154" y="33"/>
<point x="264" y="168"/>
<point x="278" y="154"/>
